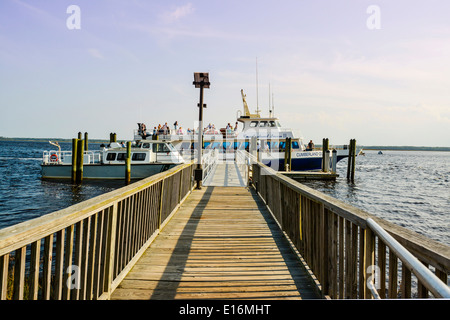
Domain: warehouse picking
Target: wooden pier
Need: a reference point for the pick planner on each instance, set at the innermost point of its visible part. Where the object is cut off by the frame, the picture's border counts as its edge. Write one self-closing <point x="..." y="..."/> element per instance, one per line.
<point x="264" y="236"/>
<point x="222" y="244"/>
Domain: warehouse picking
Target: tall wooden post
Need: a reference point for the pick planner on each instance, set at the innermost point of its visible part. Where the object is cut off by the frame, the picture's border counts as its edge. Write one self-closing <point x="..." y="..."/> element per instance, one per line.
<point x="325" y="146"/>
<point x="128" y="163"/>
<point x="351" y="160"/>
<point x="86" y="141"/>
<point x="80" y="159"/>
<point x="74" y="159"/>
<point x="288" y="155"/>
<point x="334" y="161"/>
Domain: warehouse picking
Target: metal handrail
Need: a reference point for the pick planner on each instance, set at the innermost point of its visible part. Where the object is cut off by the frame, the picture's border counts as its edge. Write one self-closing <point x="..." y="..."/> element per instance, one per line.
<point x="438" y="288"/>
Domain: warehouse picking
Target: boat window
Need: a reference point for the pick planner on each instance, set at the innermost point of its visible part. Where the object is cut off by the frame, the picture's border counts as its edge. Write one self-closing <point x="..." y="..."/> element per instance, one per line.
<point x="262" y="123"/>
<point x="253" y="124"/>
<point x="121" y="156"/>
<point x="185" y="145"/>
<point x="206" y="144"/>
<point x="226" y="145"/>
<point x="295" y="145"/>
<point x="274" y="145"/>
<point x="272" y="124"/>
<point x="160" y="147"/>
<point x="138" y="157"/>
<point x="110" y="157"/>
<point x="236" y="145"/>
<point x="282" y="145"/>
<point x="146" y="145"/>
<point x="215" y="145"/>
<point x="278" y="124"/>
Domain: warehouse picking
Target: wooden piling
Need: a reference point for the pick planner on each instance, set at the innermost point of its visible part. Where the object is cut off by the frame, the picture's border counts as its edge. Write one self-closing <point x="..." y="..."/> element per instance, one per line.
<point x="128" y="163"/>
<point x="334" y="161"/>
<point x="86" y="141"/>
<point x="326" y="161"/>
<point x="112" y="137"/>
<point x="80" y="159"/>
<point x="288" y="155"/>
<point x="74" y="159"/>
<point x="325" y="146"/>
<point x="351" y="160"/>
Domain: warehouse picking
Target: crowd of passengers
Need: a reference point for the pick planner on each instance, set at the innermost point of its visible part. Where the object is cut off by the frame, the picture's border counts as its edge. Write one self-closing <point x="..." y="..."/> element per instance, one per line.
<point x="165" y="129"/>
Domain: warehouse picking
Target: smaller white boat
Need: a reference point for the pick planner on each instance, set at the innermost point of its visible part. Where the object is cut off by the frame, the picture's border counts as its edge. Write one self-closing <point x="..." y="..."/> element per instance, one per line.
<point x="147" y="158"/>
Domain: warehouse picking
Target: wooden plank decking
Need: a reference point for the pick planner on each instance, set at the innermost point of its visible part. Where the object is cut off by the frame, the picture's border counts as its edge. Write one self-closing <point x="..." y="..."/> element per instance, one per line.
<point x="221" y="244"/>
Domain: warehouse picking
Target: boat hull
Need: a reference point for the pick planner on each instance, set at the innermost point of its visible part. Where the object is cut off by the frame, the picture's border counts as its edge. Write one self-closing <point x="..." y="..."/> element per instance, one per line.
<point x="105" y="171"/>
<point x="298" y="164"/>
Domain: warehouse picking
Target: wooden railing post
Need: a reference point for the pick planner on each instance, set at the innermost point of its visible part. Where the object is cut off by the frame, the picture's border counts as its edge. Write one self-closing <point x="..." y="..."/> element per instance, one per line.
<point x="161" y="204"/>
<point x="4" y="270"/>
<point x="110" y="250"/>
<point x="369" y="259"/>
<point x="19" y="273"/>
<point x="324" y="250"/>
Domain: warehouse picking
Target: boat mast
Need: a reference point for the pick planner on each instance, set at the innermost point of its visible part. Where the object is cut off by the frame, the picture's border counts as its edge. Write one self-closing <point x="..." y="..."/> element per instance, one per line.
<point x="270" y="109"/>
<point x="257" y="104"/>
<point x="273" y="112"/>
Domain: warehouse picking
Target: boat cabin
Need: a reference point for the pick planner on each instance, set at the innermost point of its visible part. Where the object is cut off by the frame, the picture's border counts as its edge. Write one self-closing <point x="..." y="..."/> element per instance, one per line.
<point x="143" y="152"/>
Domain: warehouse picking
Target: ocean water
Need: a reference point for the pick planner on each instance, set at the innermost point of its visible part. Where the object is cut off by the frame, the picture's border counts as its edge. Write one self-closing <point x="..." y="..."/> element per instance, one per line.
<point x="409" y="188"/>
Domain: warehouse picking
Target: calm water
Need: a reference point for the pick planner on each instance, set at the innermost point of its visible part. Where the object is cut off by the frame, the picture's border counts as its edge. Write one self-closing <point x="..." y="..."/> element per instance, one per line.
<point x="408" y="188"/>
<point x="24" y="196"/>
<point x="411" y="189"/>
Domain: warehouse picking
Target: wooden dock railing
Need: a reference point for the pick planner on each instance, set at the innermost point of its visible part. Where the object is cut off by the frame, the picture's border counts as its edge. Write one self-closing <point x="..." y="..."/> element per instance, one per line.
<point x="346" y="254"/>
<point x="84" y="251"/>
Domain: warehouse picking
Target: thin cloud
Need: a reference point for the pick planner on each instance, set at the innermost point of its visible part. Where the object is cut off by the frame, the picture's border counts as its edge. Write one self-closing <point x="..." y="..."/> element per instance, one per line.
<point x="95" y="53"/>
<point x="178" y="13"/>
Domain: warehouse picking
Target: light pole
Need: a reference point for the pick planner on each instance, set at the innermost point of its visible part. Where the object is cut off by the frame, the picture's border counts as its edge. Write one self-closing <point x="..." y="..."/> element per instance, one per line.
<point x="201" y="80"/>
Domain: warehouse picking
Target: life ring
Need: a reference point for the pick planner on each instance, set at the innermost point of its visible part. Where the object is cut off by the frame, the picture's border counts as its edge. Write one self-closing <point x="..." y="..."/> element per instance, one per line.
<point x="53" y="157"/>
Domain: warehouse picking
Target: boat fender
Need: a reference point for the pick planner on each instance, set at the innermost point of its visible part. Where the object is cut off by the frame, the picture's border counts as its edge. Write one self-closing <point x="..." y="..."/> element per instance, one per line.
<point x="54" y="157"/>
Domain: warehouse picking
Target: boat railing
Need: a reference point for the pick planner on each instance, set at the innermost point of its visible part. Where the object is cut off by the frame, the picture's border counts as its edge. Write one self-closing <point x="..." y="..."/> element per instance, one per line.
<point x="65" y="157"/>
<point x="209" y="161"/>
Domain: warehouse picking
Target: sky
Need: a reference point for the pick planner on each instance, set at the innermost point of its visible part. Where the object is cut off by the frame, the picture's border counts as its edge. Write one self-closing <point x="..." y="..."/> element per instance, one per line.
<point x="375" y="71"/>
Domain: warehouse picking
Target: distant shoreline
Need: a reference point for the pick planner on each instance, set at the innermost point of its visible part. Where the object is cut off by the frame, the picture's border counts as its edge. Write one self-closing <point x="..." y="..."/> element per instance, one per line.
<point x="384" y="148"/>
<point x="405" y="148"/>
<point x="49" y="139"/>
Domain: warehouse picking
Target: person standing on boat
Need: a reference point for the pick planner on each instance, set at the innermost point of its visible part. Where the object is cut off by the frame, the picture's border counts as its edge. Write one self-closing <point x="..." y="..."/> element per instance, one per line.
<point x="310" y="146"/>
<point x="175" y="125"/>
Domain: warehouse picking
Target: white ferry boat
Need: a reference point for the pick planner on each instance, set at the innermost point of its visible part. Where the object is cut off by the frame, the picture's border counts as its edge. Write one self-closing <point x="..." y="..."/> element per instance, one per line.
<point x="271" y="142"/>
<point x="147" y="158"/>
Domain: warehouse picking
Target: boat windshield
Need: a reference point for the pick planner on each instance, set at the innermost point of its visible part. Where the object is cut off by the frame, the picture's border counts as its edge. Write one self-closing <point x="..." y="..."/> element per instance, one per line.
<point x="171" y="147"/>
